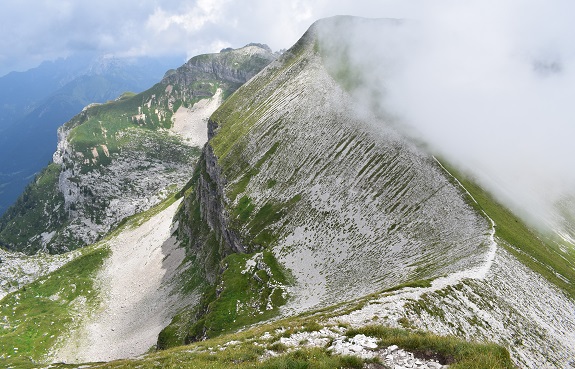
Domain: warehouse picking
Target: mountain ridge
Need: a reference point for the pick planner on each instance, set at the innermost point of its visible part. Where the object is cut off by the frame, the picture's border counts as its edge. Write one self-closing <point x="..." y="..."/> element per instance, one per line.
<point x="244" y="175"/>
<point x="311" y="229"/>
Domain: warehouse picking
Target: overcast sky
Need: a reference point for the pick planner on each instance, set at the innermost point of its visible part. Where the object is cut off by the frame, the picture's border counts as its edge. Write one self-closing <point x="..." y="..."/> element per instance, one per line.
<point x="37" y="30"/>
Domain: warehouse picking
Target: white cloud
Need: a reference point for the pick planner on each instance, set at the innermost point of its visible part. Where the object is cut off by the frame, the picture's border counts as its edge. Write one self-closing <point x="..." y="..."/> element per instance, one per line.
<point x="489" y="85"/>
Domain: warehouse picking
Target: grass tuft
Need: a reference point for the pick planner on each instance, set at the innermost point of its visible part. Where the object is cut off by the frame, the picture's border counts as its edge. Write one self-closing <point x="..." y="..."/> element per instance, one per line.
<point x="459" y="354"/>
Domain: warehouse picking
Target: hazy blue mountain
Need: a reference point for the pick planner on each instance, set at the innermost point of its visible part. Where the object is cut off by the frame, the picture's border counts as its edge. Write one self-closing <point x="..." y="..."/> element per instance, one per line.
<point x="21" y="92"/>
<point x="35" y="103"/>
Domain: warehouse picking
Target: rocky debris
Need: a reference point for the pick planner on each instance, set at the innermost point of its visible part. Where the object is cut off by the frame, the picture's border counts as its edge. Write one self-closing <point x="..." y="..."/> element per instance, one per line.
<point x="192" y="123"/>
<point x="138" y="297"/>
<point x="360" y="345"/>
<point x="18" y="270"/>
<point x="399" y="359"/>
<point x="392" y="356"/>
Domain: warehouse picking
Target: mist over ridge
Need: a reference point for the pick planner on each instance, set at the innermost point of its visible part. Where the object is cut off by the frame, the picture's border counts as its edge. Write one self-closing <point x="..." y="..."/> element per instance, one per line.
<point x="492" y="95"/>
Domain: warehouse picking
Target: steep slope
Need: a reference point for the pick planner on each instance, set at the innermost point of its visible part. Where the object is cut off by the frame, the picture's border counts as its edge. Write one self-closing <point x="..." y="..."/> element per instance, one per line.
<point x="349" y="207"/>
<point x="322" y="225"/>
<point x="113" y="160"/>
<point x="120" y="158"/>
<point x="138" y="296"/>
<point x="110" y="300"/>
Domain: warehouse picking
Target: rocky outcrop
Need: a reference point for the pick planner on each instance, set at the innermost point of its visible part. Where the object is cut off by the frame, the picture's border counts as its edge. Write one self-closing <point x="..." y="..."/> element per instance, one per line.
<point x="234" y="66"/>
<point x="203" y="221"/>
<point x="212" y="201"/>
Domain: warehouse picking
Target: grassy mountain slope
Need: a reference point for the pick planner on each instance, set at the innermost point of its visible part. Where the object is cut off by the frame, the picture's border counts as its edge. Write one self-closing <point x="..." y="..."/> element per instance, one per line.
<point x="349" y="207"/>
<point x="316" y="235"/>
<point x="307" y="179"/>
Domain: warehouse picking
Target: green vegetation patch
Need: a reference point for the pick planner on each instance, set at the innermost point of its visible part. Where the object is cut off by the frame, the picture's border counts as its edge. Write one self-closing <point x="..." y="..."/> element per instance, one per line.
<point x="459" y="354"/>
<point x="249" y="349"/>
<point x="239" y="356"/>
<point x="205" y="250"/>
<point x="242" y="110"/>
<point x="150" y="110"/>
<point x="36" y="316"/>
<point x="424" y="283"/>
<point x="39" y="209"/>
<point x="259" y="224"/>
<point x="251" y="289"/>
<point x="250" y="172"/>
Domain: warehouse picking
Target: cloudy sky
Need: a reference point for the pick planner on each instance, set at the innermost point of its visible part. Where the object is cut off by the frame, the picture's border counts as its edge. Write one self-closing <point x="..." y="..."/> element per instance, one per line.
<point x="37" y="30"/>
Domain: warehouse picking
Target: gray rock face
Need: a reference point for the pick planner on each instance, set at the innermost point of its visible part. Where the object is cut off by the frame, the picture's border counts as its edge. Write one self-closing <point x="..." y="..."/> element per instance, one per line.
<point x="212" y="205"/>
<point x="133" y="181"/>
<point x="234" y="67"/>
<point x="203" y="221"/>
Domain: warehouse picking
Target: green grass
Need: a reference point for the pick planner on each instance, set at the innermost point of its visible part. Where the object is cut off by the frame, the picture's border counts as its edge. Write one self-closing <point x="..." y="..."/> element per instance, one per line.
<point x="240" y="356"/>
<point x="458" y="353"/>
<point x="41" y="312"/>
<point x="243" y="298"/>
<point x="250" y="172"/>
<point x="525" y="243"/>
<point x="259" y="224"/>
<point x="102" y="124"/>
<point x="250" y="349"/>
<point x="424" y="283"/>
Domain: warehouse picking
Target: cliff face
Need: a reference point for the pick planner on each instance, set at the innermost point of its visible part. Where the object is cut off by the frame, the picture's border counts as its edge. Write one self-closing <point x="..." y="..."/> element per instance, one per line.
<point x="210" y="195"/>
<point x="117" y="159"/>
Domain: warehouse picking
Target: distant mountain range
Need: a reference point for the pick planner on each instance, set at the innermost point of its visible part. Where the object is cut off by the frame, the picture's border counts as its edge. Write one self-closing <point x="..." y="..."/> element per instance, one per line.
<point x="33" y="104"/>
